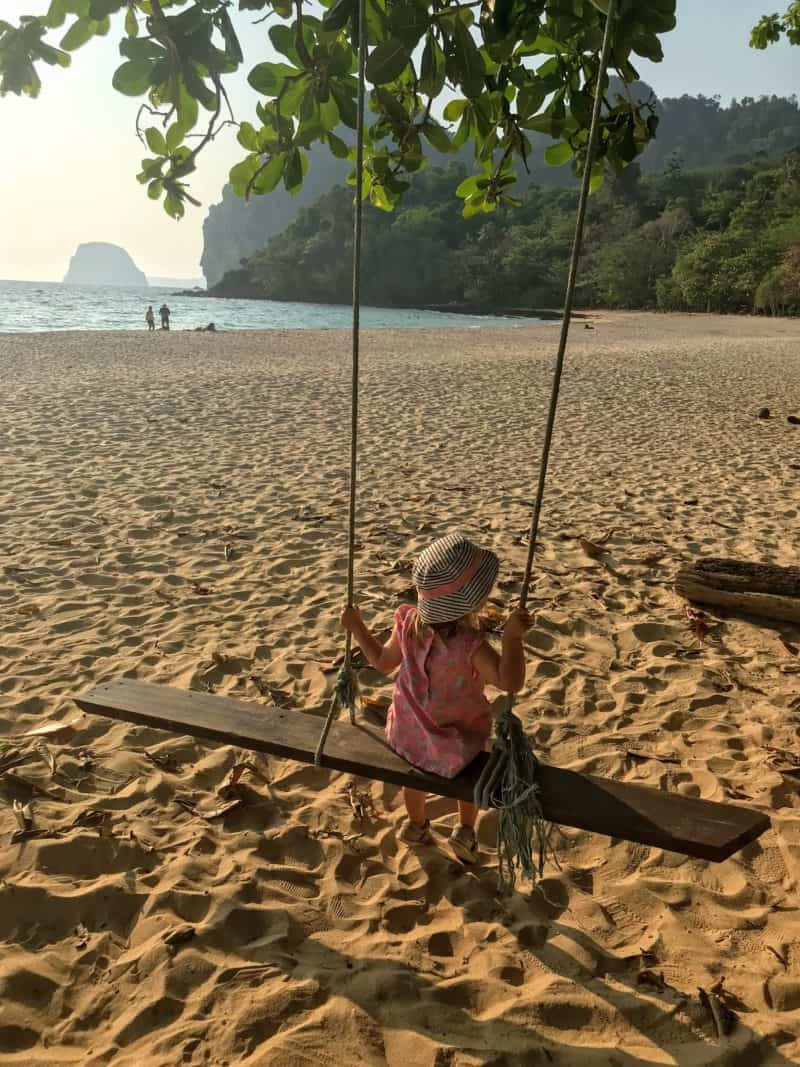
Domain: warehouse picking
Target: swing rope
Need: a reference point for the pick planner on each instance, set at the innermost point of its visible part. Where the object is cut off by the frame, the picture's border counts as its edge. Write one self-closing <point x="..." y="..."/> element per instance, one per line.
<point x="345" y="690"/>
<point x="509" y="779"/>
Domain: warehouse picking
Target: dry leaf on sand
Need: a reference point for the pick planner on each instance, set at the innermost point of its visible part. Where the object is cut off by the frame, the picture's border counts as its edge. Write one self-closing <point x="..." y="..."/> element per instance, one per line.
<point x="46" y="755"/>
<point x="51" y="727"/>
<point x="228" y="787"/>
<point x="212" y="813"/>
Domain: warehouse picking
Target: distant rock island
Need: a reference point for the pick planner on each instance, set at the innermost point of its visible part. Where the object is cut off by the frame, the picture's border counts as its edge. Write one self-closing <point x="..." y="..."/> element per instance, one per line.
<point x="98" y="263"/>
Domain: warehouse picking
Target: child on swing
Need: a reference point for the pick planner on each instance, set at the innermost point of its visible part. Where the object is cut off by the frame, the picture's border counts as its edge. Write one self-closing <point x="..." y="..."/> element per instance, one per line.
<point x="440" y="718"/>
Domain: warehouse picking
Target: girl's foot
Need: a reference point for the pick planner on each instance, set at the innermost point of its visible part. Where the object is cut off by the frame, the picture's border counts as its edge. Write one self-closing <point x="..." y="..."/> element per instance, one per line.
<point x="414" y="834"/>
<point x="464" y="843"/>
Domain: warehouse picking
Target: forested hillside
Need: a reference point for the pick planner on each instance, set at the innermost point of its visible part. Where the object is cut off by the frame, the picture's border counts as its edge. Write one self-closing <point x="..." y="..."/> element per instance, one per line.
<point x="696" y="131"/>
<point x="713" y="239"/>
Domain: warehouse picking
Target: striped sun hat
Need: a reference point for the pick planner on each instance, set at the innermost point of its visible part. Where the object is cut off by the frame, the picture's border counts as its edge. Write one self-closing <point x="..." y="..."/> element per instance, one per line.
<point x="453" y="577"/>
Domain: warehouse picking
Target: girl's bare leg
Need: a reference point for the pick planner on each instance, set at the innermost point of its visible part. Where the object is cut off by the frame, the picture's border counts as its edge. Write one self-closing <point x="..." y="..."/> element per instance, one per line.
<point x="415" y="805"/>
<point x="467" y="814"/>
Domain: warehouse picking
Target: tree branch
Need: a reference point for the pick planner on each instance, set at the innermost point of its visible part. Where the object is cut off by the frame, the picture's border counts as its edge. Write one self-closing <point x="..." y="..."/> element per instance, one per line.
<point x="299" y="41"/>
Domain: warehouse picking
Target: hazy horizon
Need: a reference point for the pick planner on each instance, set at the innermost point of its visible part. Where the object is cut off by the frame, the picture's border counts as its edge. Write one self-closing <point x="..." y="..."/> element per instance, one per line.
<point x="69" y="174"/>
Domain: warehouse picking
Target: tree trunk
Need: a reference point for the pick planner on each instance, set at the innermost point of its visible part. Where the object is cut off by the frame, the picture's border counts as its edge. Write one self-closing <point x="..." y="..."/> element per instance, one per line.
<point x="752" y="588"/>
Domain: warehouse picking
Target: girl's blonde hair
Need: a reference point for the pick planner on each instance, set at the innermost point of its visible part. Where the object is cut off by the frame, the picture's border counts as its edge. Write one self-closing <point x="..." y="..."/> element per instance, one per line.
<point x="471" y="621"/>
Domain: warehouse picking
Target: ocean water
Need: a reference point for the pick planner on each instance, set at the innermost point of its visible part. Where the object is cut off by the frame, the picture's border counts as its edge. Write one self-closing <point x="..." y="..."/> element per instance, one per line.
<point x="26" y="306"/>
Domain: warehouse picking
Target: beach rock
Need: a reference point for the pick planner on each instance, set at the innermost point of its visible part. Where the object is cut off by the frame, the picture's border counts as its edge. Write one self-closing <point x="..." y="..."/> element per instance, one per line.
<point x="793" y="419"/>
<point x="98" y="263"/>
<point x="763" y="413"/>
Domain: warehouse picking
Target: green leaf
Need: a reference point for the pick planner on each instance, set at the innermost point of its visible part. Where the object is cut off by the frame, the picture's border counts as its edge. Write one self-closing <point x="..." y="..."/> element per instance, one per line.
<point x="241" y="174"/>
<point x="437" y="136"/>
<point x="173" y="206"/>
<point x="155" y="189"/>
<point x="187" y="110"/>
<point x="433" y="69"/>
<point x="101" y="9"/>
<point x="348" y="111"/>
<point x="341" y="60"/>
<point x="293" y="93"/>
<point x="530" y="99"/>
<point x="580" y="106"/>
<point x="558" y="154"/>
<point x="337" y="17"/>
<point x="455" y="109"/>
<point x="396" y="186"/>
<point x="649" y="46"/>
<point x="475" y="205"/>
<point x="133" y="78"/>
<point x="293" y="172"/>
<point x="469" y="62"/>
<point x="270" y="175"/>
<point x="408" y="21"/>
<point x="282" y="38"/>
<point x="56" y="14"/>
<point x="174" y="136"/>
<point x="468" y="186"/>
<point x="543" y="124"/>
<point x="463" y="131"/>
<point x="155" y="141"/>
<point x="54" y="56"/>
<point x="197" y="87"/>
<point x="247" y="136"/>
<point x="390" y="105"/>
<point x="140" y="48"/>
<point x="337" y="146"/>
<point x="549" y="46"/>
<point x="81" y="31"/>
<point x="387" y="62"/>
<point x="151" y="168"/>
<point x="229" y="35"/>
<point x="329" y="114"/>
<point x="378" y="198"/>
<point x="132" y="24"/>
<point x="269" y="78"/>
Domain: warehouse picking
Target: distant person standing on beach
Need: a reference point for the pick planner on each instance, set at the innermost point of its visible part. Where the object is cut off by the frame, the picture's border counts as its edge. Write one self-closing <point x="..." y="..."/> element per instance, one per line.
<point x="150" y="318"/>
<point x="164" y="313"/>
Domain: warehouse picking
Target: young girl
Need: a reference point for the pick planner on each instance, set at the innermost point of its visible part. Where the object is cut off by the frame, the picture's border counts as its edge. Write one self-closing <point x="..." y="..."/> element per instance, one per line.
<point x="439" y="718"/>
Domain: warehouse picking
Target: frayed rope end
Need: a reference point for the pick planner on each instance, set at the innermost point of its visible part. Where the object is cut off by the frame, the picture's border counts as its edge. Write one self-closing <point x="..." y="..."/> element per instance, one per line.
<point x="346" y="692"/>
<point x="523" y="834"/>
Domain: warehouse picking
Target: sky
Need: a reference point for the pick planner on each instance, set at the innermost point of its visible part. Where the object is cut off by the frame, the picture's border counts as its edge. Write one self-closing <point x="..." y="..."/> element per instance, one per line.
<point x="70" y="157"/>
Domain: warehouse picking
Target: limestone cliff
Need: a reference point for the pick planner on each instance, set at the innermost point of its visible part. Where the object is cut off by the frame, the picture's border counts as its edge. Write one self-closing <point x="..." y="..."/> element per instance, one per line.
<point x="98" y="263"/>
<point x="234" y="230"/>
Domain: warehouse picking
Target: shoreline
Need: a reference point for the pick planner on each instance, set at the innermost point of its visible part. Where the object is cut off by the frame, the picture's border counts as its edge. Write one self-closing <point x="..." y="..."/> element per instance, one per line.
<point x="475" y="310"/>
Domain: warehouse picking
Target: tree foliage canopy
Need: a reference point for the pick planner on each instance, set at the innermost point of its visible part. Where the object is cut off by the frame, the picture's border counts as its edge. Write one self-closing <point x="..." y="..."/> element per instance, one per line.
<point x="770" y="28"/>
<point x="445" y="72"/>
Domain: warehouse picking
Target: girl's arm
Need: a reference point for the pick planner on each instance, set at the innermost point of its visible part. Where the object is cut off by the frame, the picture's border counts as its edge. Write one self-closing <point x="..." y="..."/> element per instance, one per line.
<point x="384" y="658"/>
<point x="507" y="670"/>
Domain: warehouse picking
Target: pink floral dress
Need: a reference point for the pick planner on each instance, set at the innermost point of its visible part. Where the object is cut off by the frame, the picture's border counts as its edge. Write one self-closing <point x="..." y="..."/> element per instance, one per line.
<point x="439" y="718"/>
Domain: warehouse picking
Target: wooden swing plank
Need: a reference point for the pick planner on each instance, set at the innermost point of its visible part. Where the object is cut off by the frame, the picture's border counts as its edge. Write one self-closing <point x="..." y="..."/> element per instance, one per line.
<point x="636" y="813"/>
<point x="752" y="588"/>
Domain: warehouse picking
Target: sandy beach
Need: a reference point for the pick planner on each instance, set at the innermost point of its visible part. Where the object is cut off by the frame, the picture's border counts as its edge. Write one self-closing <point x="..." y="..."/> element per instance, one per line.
<point x="173" y="508"/>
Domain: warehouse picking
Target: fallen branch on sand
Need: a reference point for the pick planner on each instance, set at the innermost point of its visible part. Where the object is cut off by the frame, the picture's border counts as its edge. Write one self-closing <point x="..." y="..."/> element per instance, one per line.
<point x="751" y="588"/>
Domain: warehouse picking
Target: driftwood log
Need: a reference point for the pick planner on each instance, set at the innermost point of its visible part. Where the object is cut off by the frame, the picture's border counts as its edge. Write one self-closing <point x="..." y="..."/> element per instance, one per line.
<point x="752" y="588"/>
